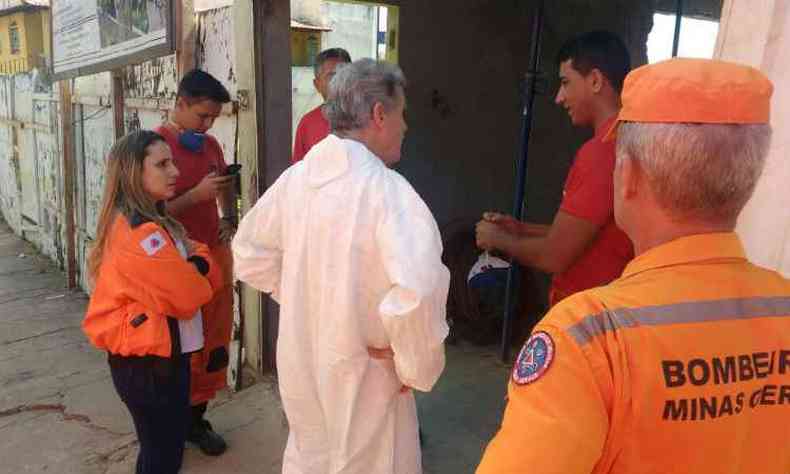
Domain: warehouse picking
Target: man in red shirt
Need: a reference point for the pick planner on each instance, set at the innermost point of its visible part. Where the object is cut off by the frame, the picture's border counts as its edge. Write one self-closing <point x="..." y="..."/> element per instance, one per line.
<point x="314" y="127"/>
<point x="202" y="190"/>
<point x="583" y="247"/>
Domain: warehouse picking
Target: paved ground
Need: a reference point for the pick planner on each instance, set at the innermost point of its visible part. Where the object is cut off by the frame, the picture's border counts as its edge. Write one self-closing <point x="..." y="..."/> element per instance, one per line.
<point x="59" y="412"/>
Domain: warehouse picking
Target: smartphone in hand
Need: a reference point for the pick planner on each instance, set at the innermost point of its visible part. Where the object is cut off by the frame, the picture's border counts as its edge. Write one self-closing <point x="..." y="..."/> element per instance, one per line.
<point x="232" y="170"/>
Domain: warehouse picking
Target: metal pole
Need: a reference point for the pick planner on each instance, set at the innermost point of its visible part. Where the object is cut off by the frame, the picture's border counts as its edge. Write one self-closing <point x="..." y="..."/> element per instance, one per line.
<point x="678" y="20"/>
<point x="514" y="274"/>
<point x="118" y="103"/>
<point x="67" y="131"/>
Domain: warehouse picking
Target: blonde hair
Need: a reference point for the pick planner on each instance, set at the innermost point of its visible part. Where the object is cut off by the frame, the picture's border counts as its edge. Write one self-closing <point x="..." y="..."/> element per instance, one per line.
<point x="124" y="194"/>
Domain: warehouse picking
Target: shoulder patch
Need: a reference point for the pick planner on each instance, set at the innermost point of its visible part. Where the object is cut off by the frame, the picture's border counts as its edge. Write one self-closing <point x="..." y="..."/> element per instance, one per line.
<point x="153" y="243"/>
<point x="534" y="359"/>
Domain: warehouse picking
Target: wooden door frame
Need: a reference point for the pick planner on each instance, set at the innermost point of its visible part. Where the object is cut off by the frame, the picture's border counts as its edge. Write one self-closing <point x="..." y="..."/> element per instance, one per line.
<point x="273" y="104"/>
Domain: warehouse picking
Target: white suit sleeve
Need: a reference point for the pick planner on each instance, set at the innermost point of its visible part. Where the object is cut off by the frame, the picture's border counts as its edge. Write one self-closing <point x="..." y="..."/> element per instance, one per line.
<point x="414" y="309"/>
<point x="257" y="246"/>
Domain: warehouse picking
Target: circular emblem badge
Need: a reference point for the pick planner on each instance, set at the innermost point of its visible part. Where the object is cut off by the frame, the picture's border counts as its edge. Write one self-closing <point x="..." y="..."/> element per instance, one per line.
<point x="534" y="359"/>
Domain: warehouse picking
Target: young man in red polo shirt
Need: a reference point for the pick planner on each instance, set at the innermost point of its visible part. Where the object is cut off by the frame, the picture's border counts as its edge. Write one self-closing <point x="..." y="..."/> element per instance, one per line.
<point x="202" y="190"/>
<point x="583" y="247"/>
<point x="314" y="127"/>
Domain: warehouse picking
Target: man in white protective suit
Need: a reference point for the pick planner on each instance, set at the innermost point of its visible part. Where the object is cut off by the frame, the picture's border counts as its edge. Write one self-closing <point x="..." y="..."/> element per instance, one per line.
<point x="353" y="256"/>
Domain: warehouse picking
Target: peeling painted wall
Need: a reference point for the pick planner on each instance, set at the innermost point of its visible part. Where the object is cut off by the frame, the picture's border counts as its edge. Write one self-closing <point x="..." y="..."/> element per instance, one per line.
<point x="29" y="186"/>
<point x="216" y="50"/>
<point x="10" y="179"/>
<point x="153" y="79"/>
<point x="31" y="180"/>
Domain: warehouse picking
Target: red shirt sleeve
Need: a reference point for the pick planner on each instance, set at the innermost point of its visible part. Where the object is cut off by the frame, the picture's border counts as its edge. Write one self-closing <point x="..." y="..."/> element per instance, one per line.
<point x="589" y="189"/>
<point x="300" y="147"/>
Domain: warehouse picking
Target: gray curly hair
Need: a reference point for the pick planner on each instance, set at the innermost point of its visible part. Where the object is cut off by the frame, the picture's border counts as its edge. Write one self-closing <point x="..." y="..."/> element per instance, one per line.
<point x="356" y="88"/>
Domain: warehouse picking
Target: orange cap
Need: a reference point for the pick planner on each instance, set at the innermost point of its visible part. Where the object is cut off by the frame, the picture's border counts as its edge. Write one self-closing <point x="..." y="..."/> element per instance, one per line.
<point x="684" y="90"/>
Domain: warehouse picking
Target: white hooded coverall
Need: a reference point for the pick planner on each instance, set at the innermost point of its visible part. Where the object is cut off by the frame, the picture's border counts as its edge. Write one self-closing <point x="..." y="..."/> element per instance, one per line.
<point x="353" y="256"/>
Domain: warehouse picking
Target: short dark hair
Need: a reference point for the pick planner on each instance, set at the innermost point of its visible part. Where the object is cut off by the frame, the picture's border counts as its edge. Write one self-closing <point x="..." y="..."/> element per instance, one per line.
<point x="197" y="84"/>
<point x="600" y="50"/>
<point x="331" y="53"/>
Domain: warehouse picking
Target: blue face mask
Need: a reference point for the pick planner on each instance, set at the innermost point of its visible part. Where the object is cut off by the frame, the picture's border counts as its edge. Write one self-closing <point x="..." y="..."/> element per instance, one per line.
<point x="192" y="140"/>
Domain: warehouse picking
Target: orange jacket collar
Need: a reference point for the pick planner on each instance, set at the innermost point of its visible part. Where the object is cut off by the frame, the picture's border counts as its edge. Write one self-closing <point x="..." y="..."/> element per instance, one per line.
<point x="694" y="248"/>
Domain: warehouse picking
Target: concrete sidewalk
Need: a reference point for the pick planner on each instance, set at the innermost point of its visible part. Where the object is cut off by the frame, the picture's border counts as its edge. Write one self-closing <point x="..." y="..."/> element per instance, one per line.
<point x="59" y="412"/>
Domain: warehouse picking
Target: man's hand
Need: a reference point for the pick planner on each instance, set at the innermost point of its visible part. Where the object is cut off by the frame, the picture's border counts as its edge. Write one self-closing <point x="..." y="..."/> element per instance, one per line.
<point x="514" y="226"/>
<point x="227" y="229"/>
<point x="210" y="186"/>
<point x="491" y="236"/>
<point x="385" y="354"/>
<point x="505" y="221"/>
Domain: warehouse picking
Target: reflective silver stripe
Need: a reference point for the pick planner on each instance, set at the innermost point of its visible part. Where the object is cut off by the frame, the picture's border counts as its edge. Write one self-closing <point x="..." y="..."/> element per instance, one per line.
<point x="696" y="312"/>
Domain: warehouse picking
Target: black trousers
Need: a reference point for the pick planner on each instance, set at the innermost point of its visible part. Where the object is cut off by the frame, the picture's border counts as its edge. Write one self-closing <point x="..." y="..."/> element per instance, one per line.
<point x="156" y="392"/>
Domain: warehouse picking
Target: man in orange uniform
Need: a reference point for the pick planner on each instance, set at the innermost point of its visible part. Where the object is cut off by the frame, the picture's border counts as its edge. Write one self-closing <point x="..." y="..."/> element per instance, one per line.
<point x="682" y="365"/>
<point x="314" y="127"/>
<point x="583" y="248"/>
<point x="201" y="186"/>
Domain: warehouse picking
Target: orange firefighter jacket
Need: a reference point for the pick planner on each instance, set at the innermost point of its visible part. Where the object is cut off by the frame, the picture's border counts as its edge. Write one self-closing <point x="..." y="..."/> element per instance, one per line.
<point x="680" y="366"/>
<point x="143" y="279"/>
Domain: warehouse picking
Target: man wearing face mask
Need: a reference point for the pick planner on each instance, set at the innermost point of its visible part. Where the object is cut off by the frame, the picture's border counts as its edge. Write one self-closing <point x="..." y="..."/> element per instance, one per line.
<point x="314" y="127"/>
<point x="203" y="189"/>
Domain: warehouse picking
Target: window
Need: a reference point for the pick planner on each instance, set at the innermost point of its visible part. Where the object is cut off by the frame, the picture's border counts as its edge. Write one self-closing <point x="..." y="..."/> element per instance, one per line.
<point x="13" y="38"/>
<point x="697" y="38"/>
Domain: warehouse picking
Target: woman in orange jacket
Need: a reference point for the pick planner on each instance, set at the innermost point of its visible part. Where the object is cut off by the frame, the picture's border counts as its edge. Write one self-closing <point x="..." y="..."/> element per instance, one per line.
<point x="149" y="284"/>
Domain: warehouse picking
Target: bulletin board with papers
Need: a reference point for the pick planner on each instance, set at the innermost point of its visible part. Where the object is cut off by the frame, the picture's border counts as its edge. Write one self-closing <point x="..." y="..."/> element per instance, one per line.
<point x="91" y="36"/>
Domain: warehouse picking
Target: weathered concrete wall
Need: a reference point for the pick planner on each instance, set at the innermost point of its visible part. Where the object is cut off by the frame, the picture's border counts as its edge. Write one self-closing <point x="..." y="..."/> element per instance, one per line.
<point x="758" y="34"/>
<point x="10" y="173"/>
<point x="304" y="98"/>
<point x="307" y="11"/>
<point x="29" y="166"/>
<point x="354" y="27"/>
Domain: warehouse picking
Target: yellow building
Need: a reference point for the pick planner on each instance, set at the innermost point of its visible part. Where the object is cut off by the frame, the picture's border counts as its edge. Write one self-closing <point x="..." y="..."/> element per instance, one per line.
<point x="24" y="35"/>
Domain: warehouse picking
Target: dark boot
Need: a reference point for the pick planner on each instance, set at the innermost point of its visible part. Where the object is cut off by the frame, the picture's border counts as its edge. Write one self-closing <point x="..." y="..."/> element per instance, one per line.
<point x="202" y="434"/>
